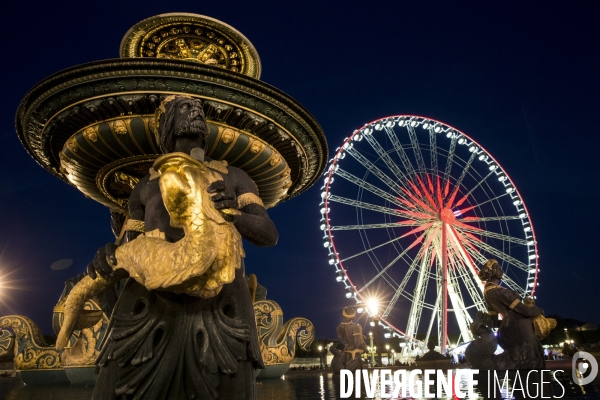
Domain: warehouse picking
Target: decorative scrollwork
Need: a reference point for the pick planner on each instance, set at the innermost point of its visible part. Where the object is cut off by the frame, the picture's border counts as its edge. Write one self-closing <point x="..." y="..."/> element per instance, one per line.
<point x="277" y="340"/>
<point x="31" y="350"/>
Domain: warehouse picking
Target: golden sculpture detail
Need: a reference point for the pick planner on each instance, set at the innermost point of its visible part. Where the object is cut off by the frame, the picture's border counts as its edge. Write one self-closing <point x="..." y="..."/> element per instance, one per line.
<point x="541" y="325"/>
<point x="278" y="340"/>
<point x="199" y="264"/>
<point x="192" y="37"/>
<point x="30" y="348"/>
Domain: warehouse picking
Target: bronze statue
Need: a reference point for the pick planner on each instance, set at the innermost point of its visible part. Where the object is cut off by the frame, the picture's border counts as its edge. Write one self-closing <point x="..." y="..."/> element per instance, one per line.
<point x="516" y="335"/>
<point x="351" y="336"/>
<point x="183" y="327"/>
<point x="432" y="355"/>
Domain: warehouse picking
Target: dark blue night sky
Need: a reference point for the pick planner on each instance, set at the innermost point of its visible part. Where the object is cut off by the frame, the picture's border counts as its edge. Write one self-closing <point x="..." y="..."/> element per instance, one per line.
<point x="521" y="79"/>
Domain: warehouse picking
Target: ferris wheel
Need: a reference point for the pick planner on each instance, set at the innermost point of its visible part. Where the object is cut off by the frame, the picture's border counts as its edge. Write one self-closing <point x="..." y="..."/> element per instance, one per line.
<point x="411" y="208"/>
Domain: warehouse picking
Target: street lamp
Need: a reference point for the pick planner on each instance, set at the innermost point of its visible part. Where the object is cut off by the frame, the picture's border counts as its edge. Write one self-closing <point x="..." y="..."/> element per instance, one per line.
<point x="371" y="348"/>
<point x="320" y="357"/>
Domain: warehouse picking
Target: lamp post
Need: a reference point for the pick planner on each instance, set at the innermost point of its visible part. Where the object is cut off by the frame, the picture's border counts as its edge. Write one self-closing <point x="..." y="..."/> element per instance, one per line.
<point x="320" y="357"/>
<point x="373" y="307"/>
<point x="371" y="348"/>
<point x="393" y="357"/>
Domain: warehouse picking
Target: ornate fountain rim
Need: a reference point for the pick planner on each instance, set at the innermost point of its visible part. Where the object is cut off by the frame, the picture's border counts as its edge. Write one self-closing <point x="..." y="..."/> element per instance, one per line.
<point x="165" y="26"/>
<point x="62" y="104"/>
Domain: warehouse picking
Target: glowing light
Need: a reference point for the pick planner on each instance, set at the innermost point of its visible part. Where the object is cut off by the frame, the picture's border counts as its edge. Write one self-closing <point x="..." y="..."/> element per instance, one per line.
<point x="348" y="295"/>
<point x="437" y="129"/>
<point x="373" y="306"/>
<point x="320" y="348"/>
<point x="360" y="310"/>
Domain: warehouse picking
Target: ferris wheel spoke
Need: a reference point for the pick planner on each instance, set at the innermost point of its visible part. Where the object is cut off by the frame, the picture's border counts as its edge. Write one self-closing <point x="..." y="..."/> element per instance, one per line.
<point x="417" y="149"/>
<point x="486" y="219"/>
<point x="462" y="200"/>
<point x="464" y="171"/>
<point x="411" y="269"/>
<point x="464" y="210"/>
<point x="380" y="273"/>
<point x="385" y="157"/>
<point x="435" y="313"/>
<point x="449" y="159"/>
<point x="366" y="206"/>
<point x="513" y="285"/>
<point x="418" y="302"/>
<point x="474" y="287"/>
<point x="367" y="186"/>
<point x="467" y="261"/>
<point x="368" y="226"/>
<point x="400" y="152"/>
<point x="433" y="149"/>
<point x="458" y="305"/>
<point x="392" y="184"/>
<point x="493" y="235"/>
<point x="480" y="258"/>
<point x="497" y="253"/>
<point x="371" y="249"/>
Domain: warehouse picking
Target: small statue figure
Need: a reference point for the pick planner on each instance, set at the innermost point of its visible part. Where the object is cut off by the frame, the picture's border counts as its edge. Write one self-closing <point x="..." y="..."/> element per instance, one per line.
<point x="352" y="337"/>
<point x="183" y="326"/>
<point x="432" y="355"/>
<point x="337" y="363"/>
<point x="516" y="335"/>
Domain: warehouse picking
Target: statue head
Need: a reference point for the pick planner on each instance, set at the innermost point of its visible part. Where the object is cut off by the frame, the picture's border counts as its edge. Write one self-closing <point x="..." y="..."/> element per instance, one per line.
<point x="431" y="345"/>
<point x="348" y="313"/>
<point x="491" y="270"/>
<point x="179" y="116"/>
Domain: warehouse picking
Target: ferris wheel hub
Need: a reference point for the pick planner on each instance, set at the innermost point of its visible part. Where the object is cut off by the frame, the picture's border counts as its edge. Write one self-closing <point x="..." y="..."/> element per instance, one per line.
<point x="447" y="215"/>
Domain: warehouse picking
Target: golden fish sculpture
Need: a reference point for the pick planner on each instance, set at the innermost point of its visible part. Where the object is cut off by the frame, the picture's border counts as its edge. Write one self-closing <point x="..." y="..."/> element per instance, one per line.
<point x="199" y="264"/>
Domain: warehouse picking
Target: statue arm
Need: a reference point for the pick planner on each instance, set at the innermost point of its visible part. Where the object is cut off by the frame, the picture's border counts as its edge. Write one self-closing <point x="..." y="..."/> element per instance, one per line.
<point x="513" y="301"/>
<point x="254" y="223"/>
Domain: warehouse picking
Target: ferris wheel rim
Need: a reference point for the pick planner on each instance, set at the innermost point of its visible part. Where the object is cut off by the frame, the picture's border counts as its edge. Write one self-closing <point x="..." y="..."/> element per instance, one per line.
<point x="410" y="117"/>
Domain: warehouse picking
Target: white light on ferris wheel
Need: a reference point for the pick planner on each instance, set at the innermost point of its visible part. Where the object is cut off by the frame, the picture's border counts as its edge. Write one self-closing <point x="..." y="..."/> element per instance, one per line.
<point x="437" y="129"/>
